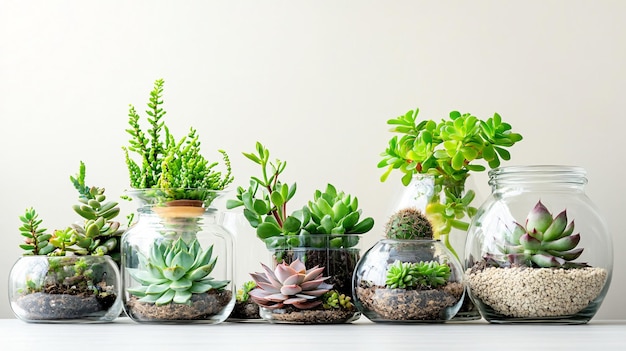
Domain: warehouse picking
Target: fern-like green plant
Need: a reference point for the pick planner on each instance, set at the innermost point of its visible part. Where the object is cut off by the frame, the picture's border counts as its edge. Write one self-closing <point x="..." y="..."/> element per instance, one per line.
<point x="165" y="163"/>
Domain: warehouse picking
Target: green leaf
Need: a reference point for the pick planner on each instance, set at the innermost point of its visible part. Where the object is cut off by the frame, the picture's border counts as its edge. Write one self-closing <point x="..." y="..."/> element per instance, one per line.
<point x="363" y="227"/>
<point x="292" y="224"/>
<point x="267" y="229"/>
<point x="277" y="199"/>
<point x="261" y="207"/>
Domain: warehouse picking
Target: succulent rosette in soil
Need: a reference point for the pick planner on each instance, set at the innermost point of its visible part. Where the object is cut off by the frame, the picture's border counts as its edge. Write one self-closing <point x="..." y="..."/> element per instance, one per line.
<point x="531" y="272"/>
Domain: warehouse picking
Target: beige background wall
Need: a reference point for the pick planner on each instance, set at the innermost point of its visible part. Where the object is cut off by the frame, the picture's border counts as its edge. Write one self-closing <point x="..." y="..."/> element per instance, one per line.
<point x="313" y="80"/>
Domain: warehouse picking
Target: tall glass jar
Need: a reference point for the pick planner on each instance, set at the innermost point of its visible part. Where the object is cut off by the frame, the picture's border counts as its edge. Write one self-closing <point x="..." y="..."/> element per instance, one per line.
<point x="177" y="260"/>
<point x="538" y="250"/>
<point x="422" y="193"/>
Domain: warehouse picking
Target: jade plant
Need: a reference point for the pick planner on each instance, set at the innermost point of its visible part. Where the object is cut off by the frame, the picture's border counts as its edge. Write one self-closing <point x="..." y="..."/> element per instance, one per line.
<point x="408" y="224"/>
<point x="175" y="169"/>
<point x="265" y="202"/>
<point x="174" y="272"/>
<point x="449" y="150"/>
<point x="417" y="275"/>
<point x="97" y="234"/>
<point x="543" y="241"/>
<point x="290" y="285"/>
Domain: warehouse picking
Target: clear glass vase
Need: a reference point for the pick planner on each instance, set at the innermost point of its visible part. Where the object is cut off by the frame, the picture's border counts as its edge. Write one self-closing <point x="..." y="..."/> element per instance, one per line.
<point x="381" y="303"/>
<point x="177" y="259"/>
<point x="538" y="250"/>
<point x="65" y="289"/>
<point x="423" y="194"/>
<point x="338" y="254"/>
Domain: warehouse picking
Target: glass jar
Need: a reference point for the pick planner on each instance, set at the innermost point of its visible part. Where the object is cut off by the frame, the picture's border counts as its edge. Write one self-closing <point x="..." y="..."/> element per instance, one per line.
<point x="338" y="254"/>
<point x="177" y="260"/>
<point x="424" y="194"/>
<point x="380" y="301"/>
<point x="64" y="289"/>
<point x="525" y="259"/>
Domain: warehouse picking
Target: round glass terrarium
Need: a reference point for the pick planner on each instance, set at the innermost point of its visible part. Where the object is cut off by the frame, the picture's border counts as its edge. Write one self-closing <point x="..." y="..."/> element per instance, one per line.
<point x="420" y="300"/>
<point x="537" y="249"/>
<point x="177" y="259"/>
<point x="65" y="289"/>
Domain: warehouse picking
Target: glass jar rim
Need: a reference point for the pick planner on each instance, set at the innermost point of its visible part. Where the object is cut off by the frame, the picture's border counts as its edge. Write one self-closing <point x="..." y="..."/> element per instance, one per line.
<point x="538" y="174"/>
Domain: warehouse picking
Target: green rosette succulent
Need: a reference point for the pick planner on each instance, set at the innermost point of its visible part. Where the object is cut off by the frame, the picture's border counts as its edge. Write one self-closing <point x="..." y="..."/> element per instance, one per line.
<point x="173" y="272"/>
<point x="543" y="241"/>
<point x="418" y="275"/>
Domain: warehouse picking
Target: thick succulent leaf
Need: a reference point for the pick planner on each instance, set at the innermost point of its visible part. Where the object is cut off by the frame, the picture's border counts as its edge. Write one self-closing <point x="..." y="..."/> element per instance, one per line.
<point x="259" y="278"/>
<point x="556" y="228"/>
<point x="563" y="244"/>
<point x="362" y="227"/>
<point x="181" y="284"/>
<point x="316" y="292"/>
<point x="349" y="220"/>
<point x="298" y="266"/>
<point x="283" y="272"/>
<point x="144" y="277"/>
<point x="156" y="256"/>
<point x="546" y="261"/>
<point x="290" y="290"/>
<point x="267" y="229"/>
<point x="271" y="277"/>
<point x="295" y="279"/>
<point x="138" y="291"/>
<point x="201" y="272"/>
<point x="276" y="297"/>
<point x="313" y="284"/>
<point x="199" y="287"/>
<point x="530" y="243"/>
<point x="569" y="230"/>
<point x="183" y="260"/>
<point x="182" y="296"/>
<point x="269" y="288"/>
<point x="292" y="224"/>
<point x="174" y="273"/>
<point x="294" y="300"/>
<point x="567" y="255"/>
<point x="204" y="258"/>
<point x="538" y="219"/>
<point x="512" y="236"/>
<point x="165" y="298"/>
<point x="314" y="273"/>
<point x="150" y="298"/>
<point x="157" y="288"/>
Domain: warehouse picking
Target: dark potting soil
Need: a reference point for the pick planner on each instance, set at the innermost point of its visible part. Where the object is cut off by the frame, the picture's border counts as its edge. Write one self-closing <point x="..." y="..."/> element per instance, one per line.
<point x="245" y="310"/>
<point x="201" y="307"/>
<point x="313" y="316"/>
<point x="407" y="305"/>
<point x="339" y="264"/>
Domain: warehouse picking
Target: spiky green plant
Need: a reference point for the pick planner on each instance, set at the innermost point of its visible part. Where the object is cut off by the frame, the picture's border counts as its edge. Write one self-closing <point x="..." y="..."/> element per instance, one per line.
<point x="36" y="240"/>
<point x="289" y="285"/>
<point x="173" y="272"/>
<point x="265" y="201"/>
<point x="98" y="234"/>
<point x="164" y="163"/>
<point x="417" y="275"/>
<point x="543" y="241"/>
<point x="408" y="224"/>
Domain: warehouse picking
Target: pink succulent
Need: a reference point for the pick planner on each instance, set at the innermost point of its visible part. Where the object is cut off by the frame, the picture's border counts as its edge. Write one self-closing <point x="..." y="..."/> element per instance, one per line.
<point x="291" y="284"/>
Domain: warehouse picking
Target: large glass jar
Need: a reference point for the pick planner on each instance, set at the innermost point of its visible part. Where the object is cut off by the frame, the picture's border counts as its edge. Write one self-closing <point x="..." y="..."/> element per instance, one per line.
<point x="177" y="260"/>
<point x="64" y="289"/>
<point x="537" y="249"/>
<point x="338" y="254"/>
<point x="449" y="222"/>
<point x="420" y="299"/>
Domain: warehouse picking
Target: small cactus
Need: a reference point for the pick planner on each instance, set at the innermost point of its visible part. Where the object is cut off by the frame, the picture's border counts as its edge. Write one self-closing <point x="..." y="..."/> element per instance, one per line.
<point x="409" y="224"/>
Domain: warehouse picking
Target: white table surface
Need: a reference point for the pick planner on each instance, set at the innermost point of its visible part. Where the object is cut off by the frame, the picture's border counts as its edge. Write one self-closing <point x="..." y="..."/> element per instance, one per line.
<point x="124" y="334"/>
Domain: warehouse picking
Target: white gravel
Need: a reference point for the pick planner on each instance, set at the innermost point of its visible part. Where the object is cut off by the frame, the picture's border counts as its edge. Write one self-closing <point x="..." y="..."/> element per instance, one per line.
<point x="537" y="292"/>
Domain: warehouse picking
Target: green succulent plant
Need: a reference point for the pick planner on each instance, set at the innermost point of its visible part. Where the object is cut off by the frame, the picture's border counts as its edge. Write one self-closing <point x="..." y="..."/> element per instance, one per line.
<point x="543" y="241"/>
<point x="264" y="203"/>
<point x="333" y="299"/>
<point x="243" y="293"/>
<point x="173" y="272"/>
<point x="448" y="150"/>
<point x="98" y="234"/>
<point x="165" y="163"/>
<point x="408" y="224"/>
<point x="417" y="275"/>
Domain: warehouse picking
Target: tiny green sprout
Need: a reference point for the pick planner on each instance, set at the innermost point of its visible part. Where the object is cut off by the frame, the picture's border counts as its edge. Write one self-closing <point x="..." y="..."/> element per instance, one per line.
<point x="243" y="293"/>
<point x="334" y="299"/>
